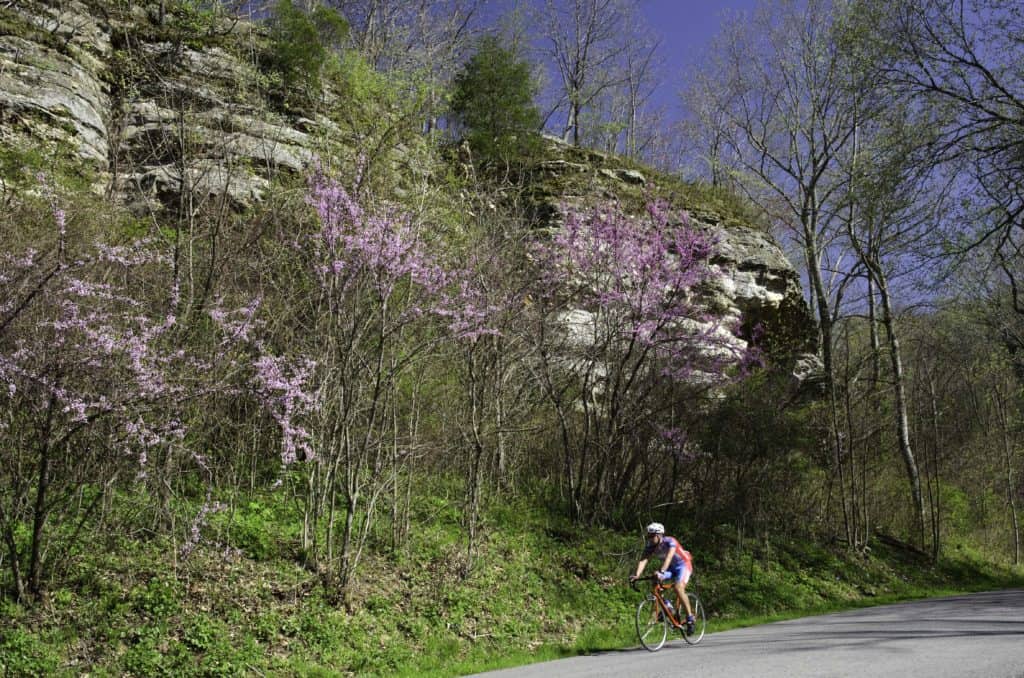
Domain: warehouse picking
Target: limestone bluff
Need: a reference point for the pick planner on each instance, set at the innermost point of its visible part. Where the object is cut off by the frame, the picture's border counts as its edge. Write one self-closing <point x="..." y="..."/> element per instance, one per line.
<point x="155" y="113"/>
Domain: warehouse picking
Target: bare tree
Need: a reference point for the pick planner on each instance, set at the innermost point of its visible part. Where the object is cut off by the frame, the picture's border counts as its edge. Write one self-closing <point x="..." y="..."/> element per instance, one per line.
<point x="783" y="123"/>
<point x="425" y="39"/>
<point x="778" y="104"/>
<point x="619" y="120"/>
<point x="893" y="212"/>
<point x="585" y="42"/>
<point x="960" y="60"/>
<point x="639" y="86"/>
<point x="1002" y="396"/>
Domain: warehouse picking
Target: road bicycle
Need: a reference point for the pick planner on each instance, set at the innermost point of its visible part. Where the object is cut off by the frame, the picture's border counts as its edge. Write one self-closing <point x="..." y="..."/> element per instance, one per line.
<point x="656" y="613"/>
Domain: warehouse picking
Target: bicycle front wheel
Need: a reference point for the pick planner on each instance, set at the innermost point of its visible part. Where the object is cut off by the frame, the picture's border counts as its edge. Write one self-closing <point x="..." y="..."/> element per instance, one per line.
<point x="700" y="622"/>
<point x="651" y="624"/>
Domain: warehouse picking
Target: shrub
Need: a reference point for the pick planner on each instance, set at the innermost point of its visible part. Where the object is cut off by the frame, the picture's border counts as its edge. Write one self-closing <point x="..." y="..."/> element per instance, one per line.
<point x="493" y="102"/>
<point x="254" y="530"/>
<point x="159" y="599"/>
<point x="23" y="654"/>
<point x="302" y="45"/>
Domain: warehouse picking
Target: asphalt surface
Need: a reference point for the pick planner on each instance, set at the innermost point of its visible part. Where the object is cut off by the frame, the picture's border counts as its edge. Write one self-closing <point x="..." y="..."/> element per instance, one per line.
<point x="979" y="635"/>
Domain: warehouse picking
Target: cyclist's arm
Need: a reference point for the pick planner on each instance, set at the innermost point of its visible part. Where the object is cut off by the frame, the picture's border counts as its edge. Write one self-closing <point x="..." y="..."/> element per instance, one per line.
<point x="640" y="567"/>
<point x="668" y="561"/>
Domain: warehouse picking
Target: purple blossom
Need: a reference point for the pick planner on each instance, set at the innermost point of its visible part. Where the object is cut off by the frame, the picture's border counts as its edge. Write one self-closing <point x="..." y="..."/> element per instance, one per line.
<point x="91" y="356"/>
<point x="195" y="532"/>
<point x="237" y="325"/>
<point x="283" y="389"/>
<point x="619" y="306"/>
<point x="383" y="250"/>
<point x="139" y="253"/>
<point x="673" y="435"/>
<point x="640" y="275"/>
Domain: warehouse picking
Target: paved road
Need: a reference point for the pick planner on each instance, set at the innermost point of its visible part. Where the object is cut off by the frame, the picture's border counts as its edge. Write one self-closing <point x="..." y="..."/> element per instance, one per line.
<point x="972" y="636"/>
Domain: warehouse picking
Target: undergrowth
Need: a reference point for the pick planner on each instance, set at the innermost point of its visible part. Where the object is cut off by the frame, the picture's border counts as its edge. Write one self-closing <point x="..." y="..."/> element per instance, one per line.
<point x="537" y="589"/>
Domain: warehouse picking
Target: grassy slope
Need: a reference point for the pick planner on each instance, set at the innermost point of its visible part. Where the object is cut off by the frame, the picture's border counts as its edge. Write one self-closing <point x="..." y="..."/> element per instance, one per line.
<point x="537" y="591"/>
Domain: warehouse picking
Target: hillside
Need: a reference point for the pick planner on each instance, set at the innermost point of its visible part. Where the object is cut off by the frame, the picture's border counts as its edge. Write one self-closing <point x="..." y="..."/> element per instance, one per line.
<point x="241" y="605"/>
<point x="291" y="385"/>
<point x="188" y="111"/>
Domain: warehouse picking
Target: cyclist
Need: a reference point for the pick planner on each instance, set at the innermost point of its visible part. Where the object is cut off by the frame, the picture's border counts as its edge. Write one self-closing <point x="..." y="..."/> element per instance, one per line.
<point x="676" y="566"/>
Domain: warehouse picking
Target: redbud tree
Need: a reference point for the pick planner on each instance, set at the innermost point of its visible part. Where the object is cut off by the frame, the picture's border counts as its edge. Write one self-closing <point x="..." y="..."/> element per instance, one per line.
<point x="623" y="341"/>
<point x="85" y="385"/>
<point x="381" y="296"/>
<point x="100" y="385"/>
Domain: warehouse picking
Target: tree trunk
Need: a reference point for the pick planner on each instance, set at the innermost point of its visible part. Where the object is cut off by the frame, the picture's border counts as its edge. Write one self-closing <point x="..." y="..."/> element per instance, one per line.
<point x="38" y="520"/>
<point x="936" y="499"/>
<point x="875" y="398"/>
<point x="1008" y="465"/>
<point x="40" y="510"/>
<point x="899" y="383"/>
<point x="809" y="223"/>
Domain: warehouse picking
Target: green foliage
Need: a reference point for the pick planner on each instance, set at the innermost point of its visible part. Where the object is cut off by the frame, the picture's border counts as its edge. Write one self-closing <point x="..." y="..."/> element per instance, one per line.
<point x="956" y="507"/>
<point x="536" y="583"/>
<point x="298" y="54"/>
<point x="193" y="22"/>
<point x="301" y="46"/>
<point x="331" y="27"/>
<point x="254" y="528"/>
<point x="146" y="657"/>
<point x="21" y="161"/>
<point x="202" y="633"/>
<point x="492" y="100"/>
<point x="362" y="84"/>
<point x="385" y="111"/>
<point x="759" y="447"/>
<point x="23" y="653"/>
<point x="532" y="581"/>
<point x="159" y="599"/>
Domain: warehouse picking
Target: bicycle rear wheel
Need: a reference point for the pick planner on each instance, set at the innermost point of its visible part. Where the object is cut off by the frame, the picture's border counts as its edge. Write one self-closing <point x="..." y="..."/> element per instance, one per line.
<point x="700" y="622"/>
<point x="651" y="624"/>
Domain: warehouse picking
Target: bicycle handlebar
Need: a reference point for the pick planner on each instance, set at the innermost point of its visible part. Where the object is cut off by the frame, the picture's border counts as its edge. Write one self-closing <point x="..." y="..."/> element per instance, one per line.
<point x="650" y="577"/>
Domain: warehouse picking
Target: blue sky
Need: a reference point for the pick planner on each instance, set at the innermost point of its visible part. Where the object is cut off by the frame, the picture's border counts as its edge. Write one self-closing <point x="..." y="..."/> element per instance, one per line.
<point x="686" y="27"/>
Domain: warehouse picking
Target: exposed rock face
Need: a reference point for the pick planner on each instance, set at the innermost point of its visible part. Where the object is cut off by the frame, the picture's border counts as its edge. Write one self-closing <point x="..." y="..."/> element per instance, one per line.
<point x="152" y="118"/>
<point x="51" y="87"/>
<point x="758" y="287"/>
<point x="194" y="130"/>
<point x="159" y="117"/>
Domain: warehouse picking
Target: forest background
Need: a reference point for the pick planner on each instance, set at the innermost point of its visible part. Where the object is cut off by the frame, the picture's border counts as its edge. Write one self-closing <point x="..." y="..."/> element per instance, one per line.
<point x="343" y="428"/>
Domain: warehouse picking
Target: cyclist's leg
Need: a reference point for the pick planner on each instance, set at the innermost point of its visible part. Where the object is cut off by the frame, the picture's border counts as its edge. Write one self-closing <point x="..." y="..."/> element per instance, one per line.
<point x="680" y="581"/>
<point x="681" y="575"/>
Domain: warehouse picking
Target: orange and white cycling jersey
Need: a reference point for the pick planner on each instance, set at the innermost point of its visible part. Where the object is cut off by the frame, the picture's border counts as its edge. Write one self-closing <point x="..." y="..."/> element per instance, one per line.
<point x="680" y="556"/>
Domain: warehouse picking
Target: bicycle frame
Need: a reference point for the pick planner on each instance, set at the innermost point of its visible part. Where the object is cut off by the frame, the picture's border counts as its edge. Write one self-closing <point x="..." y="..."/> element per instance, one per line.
<point x="653" y="616"/>
<point x="657" y="588"/>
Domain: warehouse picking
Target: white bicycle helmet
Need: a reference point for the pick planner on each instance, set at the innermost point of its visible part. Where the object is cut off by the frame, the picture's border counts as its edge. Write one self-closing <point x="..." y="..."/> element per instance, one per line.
<point x="655" y="528"/>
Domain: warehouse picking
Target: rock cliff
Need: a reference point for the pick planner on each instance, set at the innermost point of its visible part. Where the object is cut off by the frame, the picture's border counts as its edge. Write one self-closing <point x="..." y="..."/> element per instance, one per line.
<point x="151" y="109"/>
<point x="154" y="108"/>
<point x="758" y="286"/>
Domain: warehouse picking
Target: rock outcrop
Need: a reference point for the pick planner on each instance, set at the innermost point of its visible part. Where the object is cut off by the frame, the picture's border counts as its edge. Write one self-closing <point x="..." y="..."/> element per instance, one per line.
<point x="52" y="60"/>
<point x="151" y="116"/>
<point x="758" y="286"/>
<point x="155" y="115"/>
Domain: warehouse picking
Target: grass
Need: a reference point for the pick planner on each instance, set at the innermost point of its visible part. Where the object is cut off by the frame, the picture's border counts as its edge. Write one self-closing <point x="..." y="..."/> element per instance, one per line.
<point x="581" y="175"/>
<point x="241" y="604"/>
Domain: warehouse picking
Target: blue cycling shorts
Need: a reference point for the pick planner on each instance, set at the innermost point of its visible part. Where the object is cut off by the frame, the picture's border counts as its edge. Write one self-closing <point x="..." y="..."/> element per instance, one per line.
<point x="677" y="572"/>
